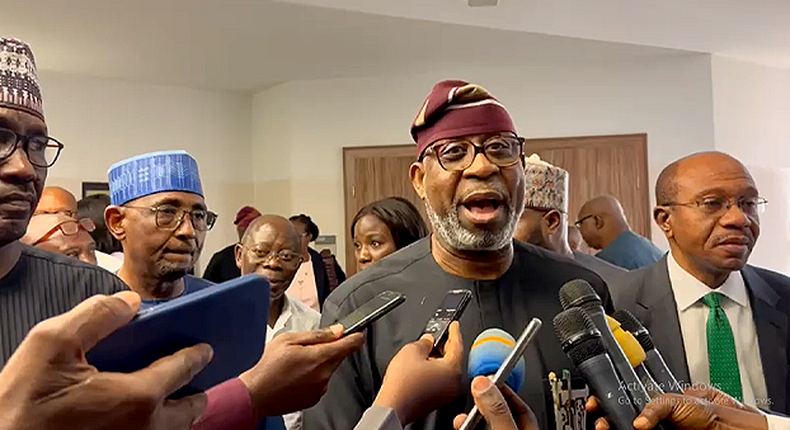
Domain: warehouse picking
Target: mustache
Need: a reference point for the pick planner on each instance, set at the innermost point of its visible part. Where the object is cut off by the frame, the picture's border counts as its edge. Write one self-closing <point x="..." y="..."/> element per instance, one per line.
<point x="747" y="238"/>
<point x="482" y="187"/>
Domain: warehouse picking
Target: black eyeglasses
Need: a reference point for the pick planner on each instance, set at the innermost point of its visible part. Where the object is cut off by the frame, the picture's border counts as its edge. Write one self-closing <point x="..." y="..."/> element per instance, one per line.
<point x="170" y="217"/>
<point x="578" y="223"/>
<point x="42" y="151"/>
<point x="504" y="151"/>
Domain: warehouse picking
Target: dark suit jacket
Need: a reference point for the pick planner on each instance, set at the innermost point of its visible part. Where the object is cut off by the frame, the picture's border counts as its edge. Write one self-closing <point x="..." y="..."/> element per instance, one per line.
<point x="647" y="294"/>
<point x="222" y="266"/>
<point x="322" y="277"/>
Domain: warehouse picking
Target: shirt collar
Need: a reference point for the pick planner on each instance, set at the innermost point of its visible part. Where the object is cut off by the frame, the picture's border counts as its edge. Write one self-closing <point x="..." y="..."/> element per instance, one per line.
<point x="688" y="290"/>
<point x="285" y="316"/>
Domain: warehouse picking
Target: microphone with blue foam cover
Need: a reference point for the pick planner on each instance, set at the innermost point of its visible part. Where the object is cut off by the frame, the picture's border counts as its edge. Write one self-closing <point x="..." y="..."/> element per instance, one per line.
<point x="489" y="350"/>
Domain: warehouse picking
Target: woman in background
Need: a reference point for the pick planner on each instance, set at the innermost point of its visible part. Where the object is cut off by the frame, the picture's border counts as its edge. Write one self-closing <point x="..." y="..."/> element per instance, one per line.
<point x="383" y="227"/>
<point x="319" y="273"/>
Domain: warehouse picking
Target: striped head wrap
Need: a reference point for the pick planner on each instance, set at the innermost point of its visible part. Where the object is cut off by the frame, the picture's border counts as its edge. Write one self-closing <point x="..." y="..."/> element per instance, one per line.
<point x="456" y="109"/>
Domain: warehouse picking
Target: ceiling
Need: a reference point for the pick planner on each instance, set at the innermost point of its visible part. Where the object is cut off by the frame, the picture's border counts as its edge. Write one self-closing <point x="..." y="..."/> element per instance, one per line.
<point x="752" y="30"/>
<point x="247" y="45"/>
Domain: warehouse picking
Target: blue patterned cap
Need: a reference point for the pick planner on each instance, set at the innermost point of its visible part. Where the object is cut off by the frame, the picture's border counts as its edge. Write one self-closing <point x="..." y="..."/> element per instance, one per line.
<point x="153" y="173"/>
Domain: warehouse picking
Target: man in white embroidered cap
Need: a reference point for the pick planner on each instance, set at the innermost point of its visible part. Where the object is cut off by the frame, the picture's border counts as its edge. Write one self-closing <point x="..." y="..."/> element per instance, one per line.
<point x="34" y="284"/>
<point x="159" y="215"/>
<point x="544" y="222"/>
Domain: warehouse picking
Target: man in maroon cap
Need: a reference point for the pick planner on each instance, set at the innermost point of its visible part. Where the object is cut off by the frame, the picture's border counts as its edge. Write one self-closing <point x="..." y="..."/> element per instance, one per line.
<point x="222" y="266"/>
<point x="470" y="175"/>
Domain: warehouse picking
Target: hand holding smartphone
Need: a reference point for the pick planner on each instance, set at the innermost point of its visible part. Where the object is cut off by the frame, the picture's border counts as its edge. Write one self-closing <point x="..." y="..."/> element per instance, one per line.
<point x="451" y="309"/>
<point x="372" y="310"/>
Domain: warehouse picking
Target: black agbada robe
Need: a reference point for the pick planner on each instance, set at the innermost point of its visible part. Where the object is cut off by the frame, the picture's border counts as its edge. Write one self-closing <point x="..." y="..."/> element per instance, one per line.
<point x="42" y="285"/>
<point x="528" y="289"/>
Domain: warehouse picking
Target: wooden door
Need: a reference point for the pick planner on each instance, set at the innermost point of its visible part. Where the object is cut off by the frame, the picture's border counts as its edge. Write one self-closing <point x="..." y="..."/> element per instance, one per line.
<point x="615" y="165"/>
<point x="372" y="173"/>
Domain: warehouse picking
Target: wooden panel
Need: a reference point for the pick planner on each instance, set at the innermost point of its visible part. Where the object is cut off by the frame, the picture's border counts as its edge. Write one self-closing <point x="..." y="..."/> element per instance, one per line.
<point x="597" y="165"/>
<point x="615" y="165"/>
<point x="373" y="173"/>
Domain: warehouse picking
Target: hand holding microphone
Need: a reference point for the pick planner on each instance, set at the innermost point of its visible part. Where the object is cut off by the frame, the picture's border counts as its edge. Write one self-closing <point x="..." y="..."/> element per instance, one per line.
<point x="416" y="383"/>
<point x="707" y="409"/>
<point x="507" y="360"/>
<point x="578" y="293"/>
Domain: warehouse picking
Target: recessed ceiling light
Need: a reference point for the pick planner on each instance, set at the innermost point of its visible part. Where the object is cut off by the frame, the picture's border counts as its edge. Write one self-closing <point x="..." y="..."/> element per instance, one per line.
<point x="483" y="3"/>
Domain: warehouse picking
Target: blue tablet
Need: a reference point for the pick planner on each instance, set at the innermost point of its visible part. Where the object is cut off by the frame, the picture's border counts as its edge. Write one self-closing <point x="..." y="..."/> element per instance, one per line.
<point x="231" y="317"/>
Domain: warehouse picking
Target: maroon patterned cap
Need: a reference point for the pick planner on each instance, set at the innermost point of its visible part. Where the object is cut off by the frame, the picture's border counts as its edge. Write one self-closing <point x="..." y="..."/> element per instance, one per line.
<point x="458" y="108"/>
<point x="19" y="87"/>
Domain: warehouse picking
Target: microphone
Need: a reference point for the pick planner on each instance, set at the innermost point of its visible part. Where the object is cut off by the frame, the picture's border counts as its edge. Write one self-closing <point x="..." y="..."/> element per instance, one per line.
<point x="507" y="364"/>
<point x="578" y="293"/>
<point x="635" y="355"/>
<point x="581" y="341"/>
<point x="653" y="360"/>
<point x="489" y="350"/>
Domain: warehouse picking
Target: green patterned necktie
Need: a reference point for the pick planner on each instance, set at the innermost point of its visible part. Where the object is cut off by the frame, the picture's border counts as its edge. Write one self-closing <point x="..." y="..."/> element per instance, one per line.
<point x="722" y="357"/>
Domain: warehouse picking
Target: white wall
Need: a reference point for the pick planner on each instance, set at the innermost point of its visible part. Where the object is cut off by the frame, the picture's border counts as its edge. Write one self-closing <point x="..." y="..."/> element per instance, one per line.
<point x="751" y="106"/>
<point x="301" y="127"/>
<point x="103" y="121"/>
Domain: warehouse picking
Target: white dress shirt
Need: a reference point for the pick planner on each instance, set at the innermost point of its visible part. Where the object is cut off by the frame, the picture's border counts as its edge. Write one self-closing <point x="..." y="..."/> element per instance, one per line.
<point x="108" y="262"/>
<point x="693" y="315"/>
<point x="295" y="317"/>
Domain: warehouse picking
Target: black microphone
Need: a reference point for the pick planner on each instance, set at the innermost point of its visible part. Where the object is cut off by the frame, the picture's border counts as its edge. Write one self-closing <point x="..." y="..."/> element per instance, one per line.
<point x="653" y="360"/>
<point x="578" y="293"/>
<point x="582" y="343"/>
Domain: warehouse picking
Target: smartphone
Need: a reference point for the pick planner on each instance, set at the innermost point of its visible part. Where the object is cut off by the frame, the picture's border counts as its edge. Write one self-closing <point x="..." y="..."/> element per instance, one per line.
<point x="374" y="309"/>
<point x="451" y="308"/>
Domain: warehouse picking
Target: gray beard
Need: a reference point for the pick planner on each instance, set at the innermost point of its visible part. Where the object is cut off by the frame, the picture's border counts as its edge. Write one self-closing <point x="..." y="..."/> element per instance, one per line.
<point x="456" y="236"/>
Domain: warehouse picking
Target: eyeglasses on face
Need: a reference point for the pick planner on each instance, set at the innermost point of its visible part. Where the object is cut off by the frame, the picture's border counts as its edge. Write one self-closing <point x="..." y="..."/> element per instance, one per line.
<point x="170" y="217"/>
<point x="581" y="220"/>
<point x="260" y="255"/>
<point x="70" y="228"/>
<point x="456" y="155"/>
<point x="42" y="151"/>
<point x="717" y="206"/>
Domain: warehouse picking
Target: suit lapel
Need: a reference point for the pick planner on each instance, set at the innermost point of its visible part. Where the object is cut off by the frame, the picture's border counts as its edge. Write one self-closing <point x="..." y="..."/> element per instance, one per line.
<point x="656" y="304"/>
<point x="772" y="335"/>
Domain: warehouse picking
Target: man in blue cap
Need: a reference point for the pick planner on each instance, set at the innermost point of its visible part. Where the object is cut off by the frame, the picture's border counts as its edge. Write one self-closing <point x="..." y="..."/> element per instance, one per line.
<point x="159" y="215"/>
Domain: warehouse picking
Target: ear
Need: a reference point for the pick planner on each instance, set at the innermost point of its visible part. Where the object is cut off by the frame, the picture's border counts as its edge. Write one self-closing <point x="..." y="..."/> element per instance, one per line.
<point x="238" y="252"/>
<point x="417" y="175"/>
<point x="113" y="217"/>
<point x="552" y="222"/>
<point x="598" y="220"/>
<point x="663" y="217"/>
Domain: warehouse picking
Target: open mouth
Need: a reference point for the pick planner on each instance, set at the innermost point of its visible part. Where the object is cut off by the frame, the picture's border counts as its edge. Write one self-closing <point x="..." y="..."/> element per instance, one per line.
<point x="482" y="208"/>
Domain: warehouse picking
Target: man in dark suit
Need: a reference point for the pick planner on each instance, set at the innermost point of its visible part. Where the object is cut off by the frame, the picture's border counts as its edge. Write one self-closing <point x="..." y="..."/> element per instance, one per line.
<point x="714" y="318"/>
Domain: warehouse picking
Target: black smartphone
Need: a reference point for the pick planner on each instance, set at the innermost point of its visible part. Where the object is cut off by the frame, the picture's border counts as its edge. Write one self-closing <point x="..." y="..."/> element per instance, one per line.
<point x="374" y="309"/>
<point x="451" y="308"/>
